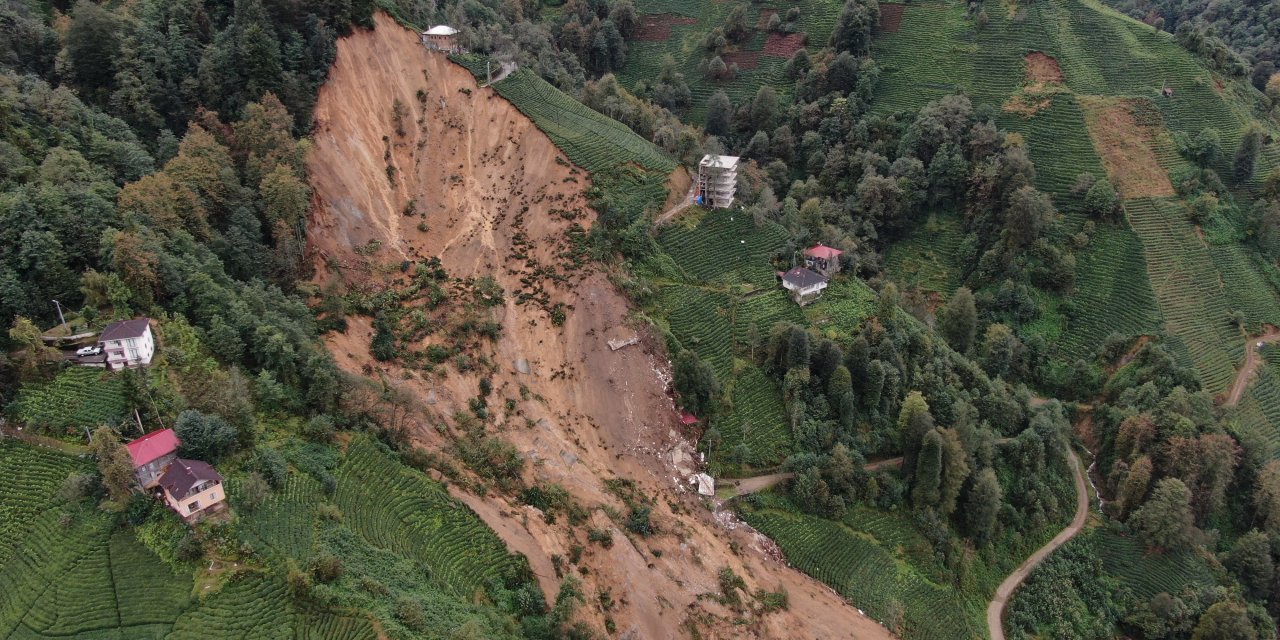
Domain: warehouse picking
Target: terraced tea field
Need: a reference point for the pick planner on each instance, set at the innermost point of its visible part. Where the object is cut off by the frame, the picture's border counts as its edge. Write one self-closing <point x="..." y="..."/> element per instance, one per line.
<point x="930" y="56"/>
<point x="590" y="140"/>
<point x="71" y="572"/>
<point x="1111" y="292"/>
<point x="858" y="567"/>
<point x="78" y="397"/>
<point x="398" y="509"/>
<point x="1188" y="289"/>
<point x="1149" y="574"/>
<point x="758" y="419"/>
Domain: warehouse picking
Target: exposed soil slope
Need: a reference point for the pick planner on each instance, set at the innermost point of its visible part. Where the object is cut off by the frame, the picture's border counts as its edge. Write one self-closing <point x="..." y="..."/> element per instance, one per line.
<point x="497" y="195"/>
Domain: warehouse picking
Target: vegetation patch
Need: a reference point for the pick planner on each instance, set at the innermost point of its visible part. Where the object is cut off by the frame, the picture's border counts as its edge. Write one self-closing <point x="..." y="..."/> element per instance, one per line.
<point x="657" y="27"/>
<point x="891" y="17"/>
<point x="1042" y="69"/>
<point x="745" y="60"/>
<point x="1126" y="148"/>
<point x="783" y="45"/>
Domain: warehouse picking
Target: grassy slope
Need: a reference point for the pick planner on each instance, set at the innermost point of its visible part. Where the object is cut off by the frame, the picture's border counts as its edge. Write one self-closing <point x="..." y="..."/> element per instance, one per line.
<point x="72" y="572"/>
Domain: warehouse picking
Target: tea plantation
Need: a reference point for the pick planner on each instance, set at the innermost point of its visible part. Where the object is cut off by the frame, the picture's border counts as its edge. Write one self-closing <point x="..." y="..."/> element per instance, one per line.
<point x="68" y="570"/>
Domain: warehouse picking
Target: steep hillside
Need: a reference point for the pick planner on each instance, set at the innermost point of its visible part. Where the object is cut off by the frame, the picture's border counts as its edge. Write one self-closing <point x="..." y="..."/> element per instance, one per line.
<point x="461" y="175"/>
<point x="1116" y="95"/>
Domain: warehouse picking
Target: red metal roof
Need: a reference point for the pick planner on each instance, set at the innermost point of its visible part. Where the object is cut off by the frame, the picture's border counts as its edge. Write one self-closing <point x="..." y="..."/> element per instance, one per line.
<point x="822" y="252"/>
<point x="687" y="418"/>
<point x="153" y="445"/>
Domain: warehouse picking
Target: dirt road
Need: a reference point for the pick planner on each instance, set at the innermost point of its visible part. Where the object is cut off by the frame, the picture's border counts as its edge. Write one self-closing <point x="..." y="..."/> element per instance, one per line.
<point x="743" y="486"/>
<point x="995" y="610"/>
<point x="670" y="213"/>
<point x="1250" y="366"/>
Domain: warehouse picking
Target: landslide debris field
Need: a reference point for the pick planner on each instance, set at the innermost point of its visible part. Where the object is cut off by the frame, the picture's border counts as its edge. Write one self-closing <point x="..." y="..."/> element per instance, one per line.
<point x="413" y="161"/>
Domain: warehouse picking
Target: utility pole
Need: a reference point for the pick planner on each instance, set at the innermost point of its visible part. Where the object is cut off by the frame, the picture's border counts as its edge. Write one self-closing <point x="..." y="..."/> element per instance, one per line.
<point x="488" y="73"/>
<point x="60" y="318"/>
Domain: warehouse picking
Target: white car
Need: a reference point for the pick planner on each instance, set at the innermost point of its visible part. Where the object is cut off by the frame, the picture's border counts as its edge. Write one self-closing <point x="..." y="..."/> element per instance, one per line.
<point x="89" y="351"/>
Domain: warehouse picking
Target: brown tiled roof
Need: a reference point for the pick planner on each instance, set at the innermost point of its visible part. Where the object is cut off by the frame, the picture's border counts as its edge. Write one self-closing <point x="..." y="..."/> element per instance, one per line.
<point x="182" y="475"/>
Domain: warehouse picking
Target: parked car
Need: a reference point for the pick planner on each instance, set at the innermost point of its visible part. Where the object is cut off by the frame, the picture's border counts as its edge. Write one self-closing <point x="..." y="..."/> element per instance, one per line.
<point x="89" y="351"/>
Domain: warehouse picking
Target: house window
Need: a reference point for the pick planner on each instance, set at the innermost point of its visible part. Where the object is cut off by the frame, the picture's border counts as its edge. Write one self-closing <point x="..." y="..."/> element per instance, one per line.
<point x="213" y="496"/>
<point x="193" y="506"/>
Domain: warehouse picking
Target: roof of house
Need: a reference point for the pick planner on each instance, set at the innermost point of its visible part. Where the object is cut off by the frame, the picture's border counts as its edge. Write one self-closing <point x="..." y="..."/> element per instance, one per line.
<point x="727" y="162"/>
<point x="126" y="329"/>
<point x="822" y="252"/>
<point x="154" y="445"/>
<point x="183" y="475"/>
<point x="801" y="277"/>
<point x="687" y="418"/>
<point x="440" y="30"/>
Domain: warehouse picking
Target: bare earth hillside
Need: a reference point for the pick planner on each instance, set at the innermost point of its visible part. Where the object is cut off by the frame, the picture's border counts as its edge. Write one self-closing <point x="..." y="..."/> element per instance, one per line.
<point x="473" y="182"/>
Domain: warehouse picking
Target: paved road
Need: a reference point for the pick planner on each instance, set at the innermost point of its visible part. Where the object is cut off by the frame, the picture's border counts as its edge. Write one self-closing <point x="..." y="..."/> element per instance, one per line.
<point x="1250" y="366"/>
<point x="995" y="610"/>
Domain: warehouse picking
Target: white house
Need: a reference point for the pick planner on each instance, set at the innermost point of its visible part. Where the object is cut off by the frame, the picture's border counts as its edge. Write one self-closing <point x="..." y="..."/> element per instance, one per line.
<point x="717" y="181"/>
<point x="441" y="37"/>
<point x="128" y="344"/>
<point x="805" y="286"/>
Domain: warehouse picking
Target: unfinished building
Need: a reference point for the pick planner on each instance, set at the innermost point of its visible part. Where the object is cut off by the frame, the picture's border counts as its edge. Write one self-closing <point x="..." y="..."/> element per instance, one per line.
<point x="717" y="181"/>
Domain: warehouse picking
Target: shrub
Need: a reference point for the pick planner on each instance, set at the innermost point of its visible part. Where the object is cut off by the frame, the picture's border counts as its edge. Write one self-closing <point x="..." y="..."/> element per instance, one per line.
<point x="601" y="536"/>
<point x="639" y="521"/>
<point x="326" y="568"/>
<point x="254" y="490"/>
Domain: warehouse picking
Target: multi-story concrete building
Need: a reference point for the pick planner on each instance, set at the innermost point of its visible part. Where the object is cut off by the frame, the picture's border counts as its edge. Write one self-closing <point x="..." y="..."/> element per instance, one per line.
<point x="717" y="181"/>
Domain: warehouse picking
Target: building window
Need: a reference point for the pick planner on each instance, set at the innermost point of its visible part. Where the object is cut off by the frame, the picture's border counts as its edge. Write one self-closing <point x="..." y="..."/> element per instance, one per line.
<point x="193" y="507"/>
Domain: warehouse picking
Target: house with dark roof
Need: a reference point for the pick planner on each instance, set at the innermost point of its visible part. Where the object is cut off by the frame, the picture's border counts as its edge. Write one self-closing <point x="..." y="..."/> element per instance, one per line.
<point x="151" y="454"/>
<point x="823" y="259"/>
<point x="128" y="344"/>
<point x="805" y="285"/>
<point x="193" y="489"/>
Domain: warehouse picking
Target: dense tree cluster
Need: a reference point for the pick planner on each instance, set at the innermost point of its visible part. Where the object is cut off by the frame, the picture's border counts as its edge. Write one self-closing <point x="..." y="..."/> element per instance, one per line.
<point x="1218" y="30"/>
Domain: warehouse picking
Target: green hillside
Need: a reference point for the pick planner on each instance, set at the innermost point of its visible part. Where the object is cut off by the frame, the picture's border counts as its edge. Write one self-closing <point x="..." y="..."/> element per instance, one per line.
<point x="678" y="28"/>
<point x="68" y="570"/>
<point x="1099" y="53"/>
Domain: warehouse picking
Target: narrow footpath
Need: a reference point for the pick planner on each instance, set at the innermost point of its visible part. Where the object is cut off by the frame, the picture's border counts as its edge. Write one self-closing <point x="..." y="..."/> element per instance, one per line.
<point x="995" y="610"/>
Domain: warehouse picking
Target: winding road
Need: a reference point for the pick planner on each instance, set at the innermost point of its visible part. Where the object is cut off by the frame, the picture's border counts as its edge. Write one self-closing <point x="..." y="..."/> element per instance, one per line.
<point x="995" y="610"/>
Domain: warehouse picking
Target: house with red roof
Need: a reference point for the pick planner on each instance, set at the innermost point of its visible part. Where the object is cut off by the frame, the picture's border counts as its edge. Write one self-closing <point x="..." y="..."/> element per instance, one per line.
<point x="151" y="454"/>
<point x="190" y="487"/>
<point x="823" y="259"/>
